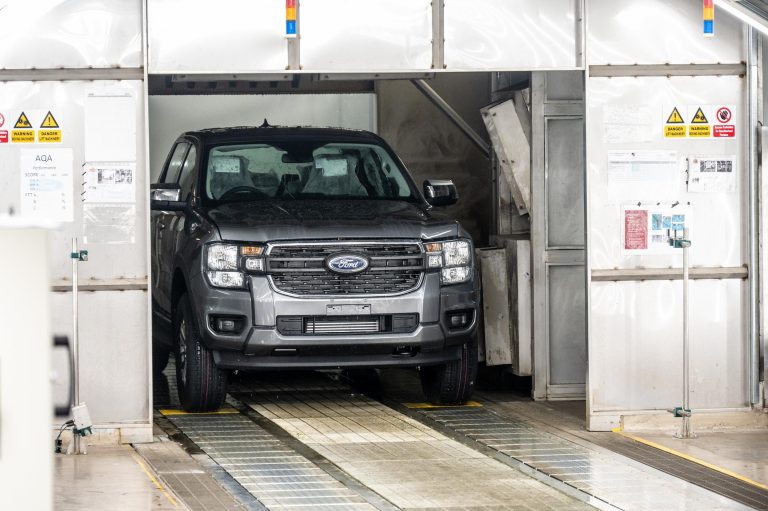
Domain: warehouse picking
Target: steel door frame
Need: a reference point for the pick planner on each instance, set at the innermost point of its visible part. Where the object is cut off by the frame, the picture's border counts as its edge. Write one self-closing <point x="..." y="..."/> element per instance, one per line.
<point x="544" y="255"/>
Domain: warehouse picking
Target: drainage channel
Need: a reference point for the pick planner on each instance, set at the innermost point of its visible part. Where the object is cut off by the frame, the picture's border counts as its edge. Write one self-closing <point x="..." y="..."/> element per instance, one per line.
<point x="404" y="461"/>
<point x="608" y="477"/>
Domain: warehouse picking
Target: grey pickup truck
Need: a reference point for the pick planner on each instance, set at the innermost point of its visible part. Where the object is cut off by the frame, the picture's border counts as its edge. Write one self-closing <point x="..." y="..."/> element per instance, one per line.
<point x="278" y="248"/>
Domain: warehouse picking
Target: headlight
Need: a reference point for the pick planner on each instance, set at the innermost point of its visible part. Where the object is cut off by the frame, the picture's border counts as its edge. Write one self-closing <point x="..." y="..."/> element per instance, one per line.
<point x="456" y="253"/>
<point x="455" y="275"/>
<point x="225" y="263"/>
<point x="222" y="257"/>
<point x="453" y="257"/>
<point x="226" y="278"/>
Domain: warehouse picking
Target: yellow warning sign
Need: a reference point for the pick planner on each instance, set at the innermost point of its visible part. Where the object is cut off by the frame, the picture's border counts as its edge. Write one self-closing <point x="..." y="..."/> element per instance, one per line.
<point x="22" y="122"/>
<point x="49" y="121"/>
<point x="675" y="126"/>
<point x="49" y="136"/>
<point x="699" y="118"/>
<point x="675" y="117"/>
<point x="674" y="131"/>
<point x="699" y="131"/>
<point x="22" y="136"/>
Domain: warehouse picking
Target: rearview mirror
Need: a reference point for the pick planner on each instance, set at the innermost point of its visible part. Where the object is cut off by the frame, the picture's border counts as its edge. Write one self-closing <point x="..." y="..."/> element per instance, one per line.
<point x="165" y="197"/>
<point x="440" y="192"/>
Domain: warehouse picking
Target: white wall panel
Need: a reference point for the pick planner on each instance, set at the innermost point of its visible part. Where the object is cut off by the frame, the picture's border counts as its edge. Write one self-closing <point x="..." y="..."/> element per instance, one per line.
<point x="70" y="33"/>
<point x="232" y="36"/>
<point x="510" y="34"/>
<point x="659" y="32"/>
<point x="170" y="116"/>
<point x="114" y="363"/>
<point x="113" y="325"/>
<point x="635" y="337"/>
<point x="370" y="35"/>
<point x="636" y="345"/>
<point x="66" y="101"/>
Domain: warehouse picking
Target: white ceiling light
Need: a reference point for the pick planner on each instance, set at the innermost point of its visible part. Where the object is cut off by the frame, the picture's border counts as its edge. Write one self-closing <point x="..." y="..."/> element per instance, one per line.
<point x="738" y="11"/>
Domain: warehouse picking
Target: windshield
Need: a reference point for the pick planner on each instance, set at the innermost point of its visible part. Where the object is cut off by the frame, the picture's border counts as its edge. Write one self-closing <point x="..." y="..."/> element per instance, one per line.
<point x="303" y="170"/>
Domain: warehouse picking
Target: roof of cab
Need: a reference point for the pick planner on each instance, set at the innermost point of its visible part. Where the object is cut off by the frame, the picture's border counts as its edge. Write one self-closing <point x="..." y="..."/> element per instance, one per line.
<point x="267" y="132"/>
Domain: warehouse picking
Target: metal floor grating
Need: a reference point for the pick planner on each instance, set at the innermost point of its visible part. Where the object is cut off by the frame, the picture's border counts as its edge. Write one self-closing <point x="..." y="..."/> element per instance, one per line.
<point x="410" y="464"/>
<point x="604" y="476"/>
<point x="271" y="471"/>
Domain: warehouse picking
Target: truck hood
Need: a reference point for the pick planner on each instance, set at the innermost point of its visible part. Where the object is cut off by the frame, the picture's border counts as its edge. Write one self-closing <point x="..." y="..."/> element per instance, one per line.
<point x="263" y="221"/>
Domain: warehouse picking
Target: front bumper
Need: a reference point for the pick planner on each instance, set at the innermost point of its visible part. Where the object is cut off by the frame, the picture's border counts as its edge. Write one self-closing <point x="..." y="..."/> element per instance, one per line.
<point x="260" y="346"/>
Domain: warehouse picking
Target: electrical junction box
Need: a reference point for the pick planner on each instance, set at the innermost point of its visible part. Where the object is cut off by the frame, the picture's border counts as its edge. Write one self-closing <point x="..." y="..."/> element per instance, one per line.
<point x="82" y="419"/>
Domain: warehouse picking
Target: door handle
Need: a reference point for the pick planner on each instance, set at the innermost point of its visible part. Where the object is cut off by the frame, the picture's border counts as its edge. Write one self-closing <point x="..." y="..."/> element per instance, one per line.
<point x="63" y="341"/>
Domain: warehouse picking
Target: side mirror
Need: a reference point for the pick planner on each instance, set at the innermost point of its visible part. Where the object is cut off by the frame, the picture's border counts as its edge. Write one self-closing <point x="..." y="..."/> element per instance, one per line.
<point x="440" y="192"/>
<point x="165" y="197"/>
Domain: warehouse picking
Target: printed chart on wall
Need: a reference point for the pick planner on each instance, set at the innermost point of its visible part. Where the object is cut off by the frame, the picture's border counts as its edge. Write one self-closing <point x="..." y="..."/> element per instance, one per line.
<point x="647" y="228"/>
<point x="711" y="174"/>
<point x="47" y="182"/>
<point x="699" y="121"/>
<point x="643" y="173"/>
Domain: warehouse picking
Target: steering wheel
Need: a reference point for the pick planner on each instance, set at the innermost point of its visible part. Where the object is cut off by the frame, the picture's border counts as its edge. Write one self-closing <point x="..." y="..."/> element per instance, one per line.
<point x="243" y="189"/>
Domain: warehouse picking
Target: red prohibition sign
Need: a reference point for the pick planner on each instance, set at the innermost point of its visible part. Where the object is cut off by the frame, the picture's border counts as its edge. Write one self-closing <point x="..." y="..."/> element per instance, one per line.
<point x="2" y="120"/>
<point x="724" y="114"/>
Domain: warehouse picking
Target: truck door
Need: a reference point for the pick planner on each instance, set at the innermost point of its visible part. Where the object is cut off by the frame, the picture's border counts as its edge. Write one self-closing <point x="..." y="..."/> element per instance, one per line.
<point x="162" y="237"/>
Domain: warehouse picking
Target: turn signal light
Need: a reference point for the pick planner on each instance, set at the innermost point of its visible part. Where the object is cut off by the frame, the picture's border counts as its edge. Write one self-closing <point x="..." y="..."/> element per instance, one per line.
<point x="250" y="250"/>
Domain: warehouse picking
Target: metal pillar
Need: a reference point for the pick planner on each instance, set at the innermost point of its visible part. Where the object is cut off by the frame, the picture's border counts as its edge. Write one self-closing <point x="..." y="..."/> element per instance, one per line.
<point x="754" y="192"/>
<point x="438" y="34"/>
<point x="75" y="256"/>
<point x="294" y="43"/>
<point x="686" y="431"/>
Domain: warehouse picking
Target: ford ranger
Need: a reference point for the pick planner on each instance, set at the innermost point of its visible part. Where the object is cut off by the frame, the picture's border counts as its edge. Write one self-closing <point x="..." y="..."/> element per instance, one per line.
<point x="279" y="248"/>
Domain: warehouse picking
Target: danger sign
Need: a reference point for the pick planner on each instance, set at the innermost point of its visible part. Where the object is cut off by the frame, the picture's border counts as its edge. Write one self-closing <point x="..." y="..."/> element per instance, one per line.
<point x="49" y="132"/>
<point x="675" y="125"/>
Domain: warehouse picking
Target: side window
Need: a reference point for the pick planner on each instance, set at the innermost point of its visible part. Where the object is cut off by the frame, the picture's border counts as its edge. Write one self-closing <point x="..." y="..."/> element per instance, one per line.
<point x="174" y="165"/>
<point x="187" y="177"/>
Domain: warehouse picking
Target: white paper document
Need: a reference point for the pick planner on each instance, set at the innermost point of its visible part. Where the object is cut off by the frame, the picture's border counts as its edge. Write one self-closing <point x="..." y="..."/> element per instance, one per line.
<point x="47" y="183"/>
<point x="109" y="182"/>
<point x="628" y="124"/>
<point x="110" y="126"/>
<point x="712" y="174"/>
<point x="642" y="166"/>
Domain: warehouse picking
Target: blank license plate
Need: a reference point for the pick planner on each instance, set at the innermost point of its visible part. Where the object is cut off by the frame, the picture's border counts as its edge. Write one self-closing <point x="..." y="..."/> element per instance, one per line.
<point x="347" y="310"/>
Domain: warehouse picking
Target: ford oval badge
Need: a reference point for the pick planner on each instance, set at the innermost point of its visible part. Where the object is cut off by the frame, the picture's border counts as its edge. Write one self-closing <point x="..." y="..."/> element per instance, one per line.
<point x="347" y="263"/>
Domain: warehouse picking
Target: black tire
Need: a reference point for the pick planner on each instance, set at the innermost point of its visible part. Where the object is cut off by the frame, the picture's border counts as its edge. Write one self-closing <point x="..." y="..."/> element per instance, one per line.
<point x="160" y="356"/>
<point x="202" y="386"/>
<point x="454" y="382"/>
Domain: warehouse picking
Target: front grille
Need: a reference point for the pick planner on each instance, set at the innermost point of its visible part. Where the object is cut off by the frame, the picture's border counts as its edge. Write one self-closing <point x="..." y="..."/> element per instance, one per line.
<point x="342" y="327"/>
<point x="350" y="325"/>
<point x="299" y="269"/>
